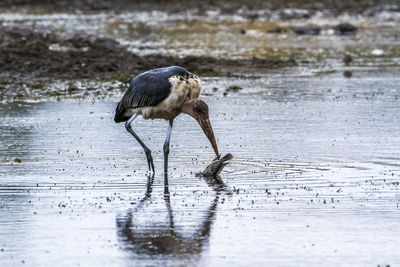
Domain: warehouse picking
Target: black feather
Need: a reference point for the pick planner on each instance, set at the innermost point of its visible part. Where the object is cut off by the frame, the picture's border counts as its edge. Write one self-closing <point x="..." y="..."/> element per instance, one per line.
<point x="148" y="89"/>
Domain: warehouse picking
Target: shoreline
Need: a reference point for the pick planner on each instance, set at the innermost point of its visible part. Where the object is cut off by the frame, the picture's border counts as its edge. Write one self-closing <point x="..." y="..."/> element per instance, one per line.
<point x="32" y="58"/>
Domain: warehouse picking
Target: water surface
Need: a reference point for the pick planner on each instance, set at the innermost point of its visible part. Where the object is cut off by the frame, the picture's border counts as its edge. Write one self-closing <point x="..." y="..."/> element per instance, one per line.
<point x="314" y="179"/>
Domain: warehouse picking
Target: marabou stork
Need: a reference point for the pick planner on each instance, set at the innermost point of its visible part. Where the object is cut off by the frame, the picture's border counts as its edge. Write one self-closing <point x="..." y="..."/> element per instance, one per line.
<point x="164" y="94"/>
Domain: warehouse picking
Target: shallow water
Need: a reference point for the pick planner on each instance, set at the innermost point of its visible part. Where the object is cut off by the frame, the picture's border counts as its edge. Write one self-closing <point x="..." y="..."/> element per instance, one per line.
<point x="314" y="179"/>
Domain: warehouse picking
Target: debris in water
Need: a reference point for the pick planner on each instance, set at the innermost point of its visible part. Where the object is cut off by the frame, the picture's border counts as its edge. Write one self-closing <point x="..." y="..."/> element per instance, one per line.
<point x="377" y="52"/>
<point x="347" y="74"/>
<point x="233" y="88"/>
<point x="345" y="29"/>
<point x="347" y="59"/>
<point x="307" y="31"/>
<point x="277" y="30"/>
<point x="17" y="160"/>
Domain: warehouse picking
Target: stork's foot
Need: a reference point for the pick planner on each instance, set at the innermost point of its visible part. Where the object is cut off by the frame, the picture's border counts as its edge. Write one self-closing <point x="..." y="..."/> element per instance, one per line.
<point x="150" y="160"/>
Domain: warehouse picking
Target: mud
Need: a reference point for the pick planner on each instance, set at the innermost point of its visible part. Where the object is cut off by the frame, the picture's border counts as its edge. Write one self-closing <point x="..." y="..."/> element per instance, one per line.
<point x="33" y="58"/>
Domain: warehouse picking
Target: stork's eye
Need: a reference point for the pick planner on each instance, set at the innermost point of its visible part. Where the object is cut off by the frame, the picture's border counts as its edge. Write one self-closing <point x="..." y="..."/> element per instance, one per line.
<point x="198" y="109"/>
<point x="201" y="108"/>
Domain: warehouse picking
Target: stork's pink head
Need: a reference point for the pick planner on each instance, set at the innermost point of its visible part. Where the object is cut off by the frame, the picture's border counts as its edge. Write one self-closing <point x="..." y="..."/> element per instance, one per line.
<point x="198" y="109"/>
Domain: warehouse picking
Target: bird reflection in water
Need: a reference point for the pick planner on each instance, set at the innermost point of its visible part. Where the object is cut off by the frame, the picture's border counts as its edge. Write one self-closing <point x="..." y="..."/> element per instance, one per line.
<point x="165" y="239"/>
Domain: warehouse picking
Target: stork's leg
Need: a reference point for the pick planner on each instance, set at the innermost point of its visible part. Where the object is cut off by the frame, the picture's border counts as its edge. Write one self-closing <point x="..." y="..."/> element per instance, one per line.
<point x="146" y="149"/>
<point x="166" y="152"/>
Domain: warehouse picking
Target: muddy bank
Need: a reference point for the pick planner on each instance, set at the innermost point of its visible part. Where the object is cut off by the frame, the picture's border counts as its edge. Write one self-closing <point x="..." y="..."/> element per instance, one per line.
<point x="251" y="8"/>
<point x="29" y="57"/>
<point x="43" y="54"/>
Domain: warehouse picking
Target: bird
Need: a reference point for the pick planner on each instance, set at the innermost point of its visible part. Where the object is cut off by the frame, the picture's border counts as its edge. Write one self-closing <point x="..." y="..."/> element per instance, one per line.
<point x="164" y="93"/>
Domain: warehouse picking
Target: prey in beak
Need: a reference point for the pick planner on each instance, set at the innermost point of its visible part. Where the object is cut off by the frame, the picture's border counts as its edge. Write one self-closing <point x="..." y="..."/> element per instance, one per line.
<point x="198" y="109"/>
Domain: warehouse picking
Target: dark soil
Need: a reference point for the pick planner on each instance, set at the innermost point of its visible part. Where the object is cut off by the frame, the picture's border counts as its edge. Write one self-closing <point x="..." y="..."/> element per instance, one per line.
<point x="38" y="54"/>
<point x="27" y="56"/>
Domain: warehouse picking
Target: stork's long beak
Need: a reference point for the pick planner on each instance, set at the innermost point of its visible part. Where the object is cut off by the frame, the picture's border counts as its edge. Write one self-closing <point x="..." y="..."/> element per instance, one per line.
<point x="204" y="121"/>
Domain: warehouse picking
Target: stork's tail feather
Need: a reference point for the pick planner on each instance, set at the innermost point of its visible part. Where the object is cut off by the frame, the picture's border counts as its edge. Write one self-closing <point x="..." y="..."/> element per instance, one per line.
<point x="119" y="114"/>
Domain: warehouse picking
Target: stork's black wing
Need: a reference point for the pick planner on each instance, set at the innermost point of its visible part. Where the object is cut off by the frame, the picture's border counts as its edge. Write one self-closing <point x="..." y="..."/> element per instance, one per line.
<point x="147" y="89"/>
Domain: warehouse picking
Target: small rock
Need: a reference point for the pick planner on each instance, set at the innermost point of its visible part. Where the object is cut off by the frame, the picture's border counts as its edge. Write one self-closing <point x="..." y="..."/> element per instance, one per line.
<point x="17" y="160"/>
<point x="234" y="88"/>
<point x="108" y="44"/>
<point x="347" y="59"/>
<point x="307" y="31"/>
<point x="294" y="13"/>
<point x="345" y="29"/>
<point x="62" y="48"/>
<point x="347" y="74"/>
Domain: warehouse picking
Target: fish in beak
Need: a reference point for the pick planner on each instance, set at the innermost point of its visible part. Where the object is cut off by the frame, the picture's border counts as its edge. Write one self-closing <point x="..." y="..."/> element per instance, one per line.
<point x="198" y="109"/>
